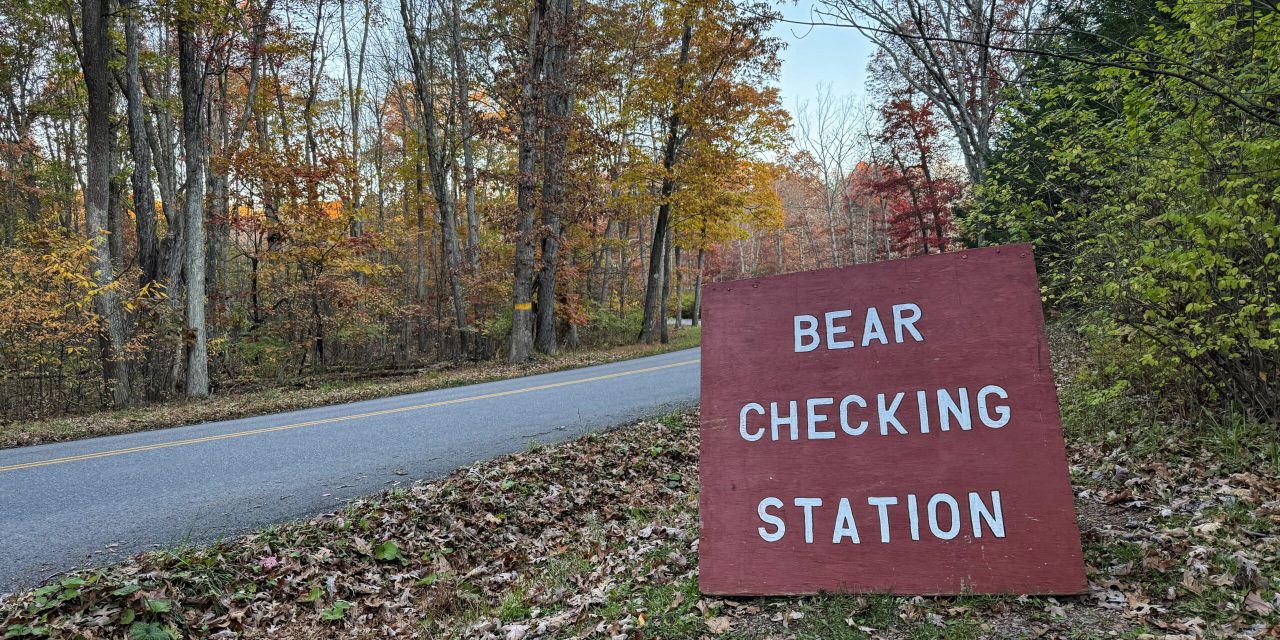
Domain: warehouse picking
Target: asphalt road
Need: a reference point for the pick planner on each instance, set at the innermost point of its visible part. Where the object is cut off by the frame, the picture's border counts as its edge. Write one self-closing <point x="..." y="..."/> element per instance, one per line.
<point x="92" y="502"/>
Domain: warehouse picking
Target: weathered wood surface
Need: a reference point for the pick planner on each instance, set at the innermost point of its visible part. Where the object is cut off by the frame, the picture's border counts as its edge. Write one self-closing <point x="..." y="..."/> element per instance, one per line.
<point x="981" y="324"/>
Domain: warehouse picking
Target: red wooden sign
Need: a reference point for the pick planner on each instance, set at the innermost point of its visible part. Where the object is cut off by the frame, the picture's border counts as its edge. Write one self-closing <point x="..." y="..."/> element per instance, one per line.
<point x="889" y="427"/>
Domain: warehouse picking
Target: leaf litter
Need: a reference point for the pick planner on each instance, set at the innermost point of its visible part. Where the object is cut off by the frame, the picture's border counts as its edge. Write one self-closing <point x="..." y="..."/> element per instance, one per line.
<point x="597" y="538"/>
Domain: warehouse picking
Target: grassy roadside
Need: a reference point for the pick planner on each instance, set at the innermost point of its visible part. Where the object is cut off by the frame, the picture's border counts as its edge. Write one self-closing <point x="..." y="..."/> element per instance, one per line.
<point x="254" y="403"/>
<point x="597" y="538"/>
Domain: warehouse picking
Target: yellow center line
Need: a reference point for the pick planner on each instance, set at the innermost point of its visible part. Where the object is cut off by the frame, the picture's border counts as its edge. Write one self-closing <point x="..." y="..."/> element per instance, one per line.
<point x="312" y="423"/>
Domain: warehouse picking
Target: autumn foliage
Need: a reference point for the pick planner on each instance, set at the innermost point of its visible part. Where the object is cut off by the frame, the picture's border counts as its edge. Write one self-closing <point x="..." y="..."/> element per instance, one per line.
<point x="365" y="180"/>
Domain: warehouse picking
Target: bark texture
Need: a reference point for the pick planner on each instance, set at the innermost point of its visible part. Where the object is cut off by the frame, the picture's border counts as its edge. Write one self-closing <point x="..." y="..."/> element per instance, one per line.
<point x="191" y="83"/>
<point x="97" y="196"/>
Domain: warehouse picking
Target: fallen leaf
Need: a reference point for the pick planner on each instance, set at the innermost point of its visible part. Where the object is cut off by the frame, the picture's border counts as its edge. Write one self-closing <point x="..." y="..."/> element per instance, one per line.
<point x="677" y="601"/>
<point x="719" y="624"/>
<point x="1255" y="604"/>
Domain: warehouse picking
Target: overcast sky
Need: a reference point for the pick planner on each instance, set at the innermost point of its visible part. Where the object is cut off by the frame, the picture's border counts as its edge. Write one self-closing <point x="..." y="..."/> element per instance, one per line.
<point x="833" y="55"/>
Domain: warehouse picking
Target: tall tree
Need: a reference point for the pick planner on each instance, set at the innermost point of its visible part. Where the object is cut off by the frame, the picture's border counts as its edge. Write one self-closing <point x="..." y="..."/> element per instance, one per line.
<point x="353" y="67"/>
<point x="717" y="111"/>
<point x="526" y="186"/>
<point x="654" y="316"/>
<point x="559" y="101"/>
<point x="94" y="54"/>
<point x="914" y="177"/>
<point x="192" y="86"/>
<point x="144" y="200"/>
<point x="462" y="84"/>
<point x="438" y="159"/>
<point x="826" y="132"/>
<point x="961" y="54"/>
<point x="154" y="255"/>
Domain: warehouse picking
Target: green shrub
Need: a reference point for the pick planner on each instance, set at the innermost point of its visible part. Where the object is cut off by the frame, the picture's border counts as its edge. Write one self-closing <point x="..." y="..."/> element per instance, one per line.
<point x="1155" y="208"/>
<point x="605" y="327"/>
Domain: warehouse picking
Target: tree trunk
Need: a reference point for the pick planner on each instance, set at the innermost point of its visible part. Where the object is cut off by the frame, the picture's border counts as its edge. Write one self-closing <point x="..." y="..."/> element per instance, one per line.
<point x="461" y="74"/>
<point x="642" y="249"/>
<point x="144" y="199"/>
<point x="600" y="263"/>
<point x="379" y="171"/>
<point x="449" y="237"/>
<point x="159" y="353"/>
<point x="115" y="205"/>
<point x="159" y="142"/>
<point x="800" y="250"/>
<point x="522" y="286"/>
<point x="666" y="288"/>
<point x="219" y="226"/>
<point x="73" y="161"/>
<point x="697" y="291"/>
<point x="649" y="328"/>
<point x="679" y="293"/>
<point x="191" y="80"/>
<point x="831" y="232"/>
<point x="437" y="164"/>
<point x="355" y="90"/>
<point x="419" y="189"/>
<point x="624" y="266"/>
<point x="559" y="99"/>
<point x="96" y="50"/>
<point x="420" y="245"/>
<point x="850" y="211"/>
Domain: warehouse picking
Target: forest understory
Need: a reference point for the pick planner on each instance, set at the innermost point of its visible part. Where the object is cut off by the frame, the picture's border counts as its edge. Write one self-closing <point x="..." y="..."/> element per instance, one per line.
<point x="315" y="391"/>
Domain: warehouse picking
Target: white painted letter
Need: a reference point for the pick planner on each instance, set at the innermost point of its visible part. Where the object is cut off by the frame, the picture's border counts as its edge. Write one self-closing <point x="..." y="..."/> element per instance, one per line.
<point x="913" y="512"/>
<point x="814" y="419"/>
<point x="780" y="527"/>
<point x="933" y="516"/>
<point x="742" y="421"/>
<point x="924" y="411"/>
<point x="844" y="415"/>
<point x="792" y="420"/>
<point x="901" y="320"/>
<point x="845" y="525"/>
<point x="810" y="331"/>
<point x="978" y="512"/>
<point x="834" y="330"/>
<point x="873" y="328"/>
<point x="808" y="504"/>
<point x="1001" y="410"/>
<point x="947" y="408"/>
<point x="882" y="504"/>
<point x="886" y="414"/>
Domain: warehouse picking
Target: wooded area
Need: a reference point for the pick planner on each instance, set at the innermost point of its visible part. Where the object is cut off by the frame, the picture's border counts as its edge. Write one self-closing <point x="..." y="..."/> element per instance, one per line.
<point x="200" y="193"/>
<point x="196" y="194"/>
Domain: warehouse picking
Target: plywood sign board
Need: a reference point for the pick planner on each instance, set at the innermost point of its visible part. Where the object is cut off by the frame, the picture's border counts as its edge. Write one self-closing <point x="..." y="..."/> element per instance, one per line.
<point x="889" y="427"/>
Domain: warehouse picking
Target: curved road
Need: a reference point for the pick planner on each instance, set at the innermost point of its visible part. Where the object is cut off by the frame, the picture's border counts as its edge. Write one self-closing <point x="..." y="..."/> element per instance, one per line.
<point x="92" y="502"/>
